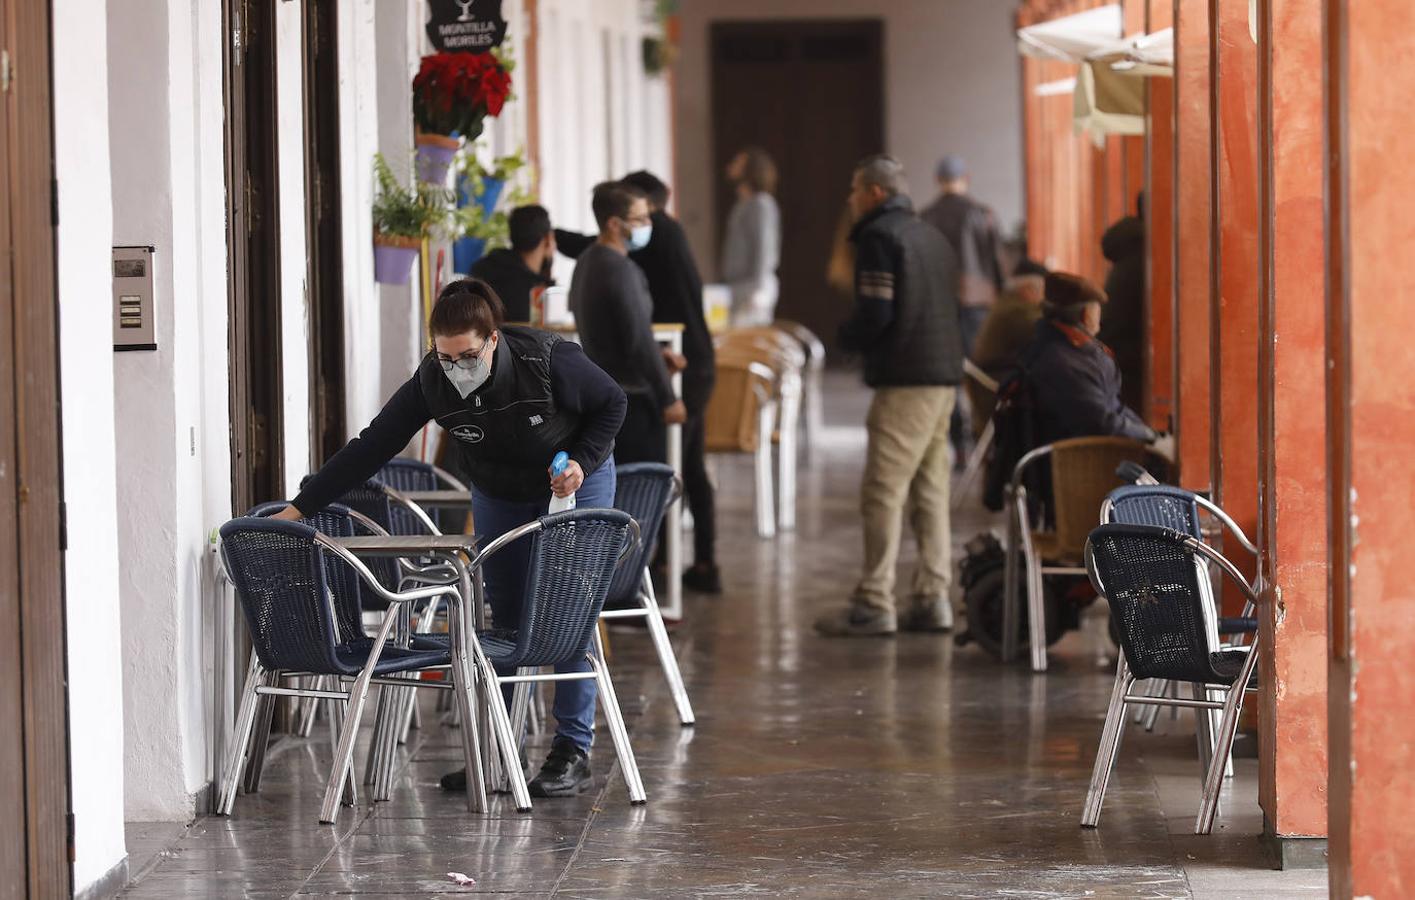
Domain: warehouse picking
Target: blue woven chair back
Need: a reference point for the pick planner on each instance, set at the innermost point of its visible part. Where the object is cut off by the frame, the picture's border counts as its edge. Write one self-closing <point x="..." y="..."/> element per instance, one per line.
<point x="573" y="558"/>
<point x="1160" y="505"/>
<point x="1151" y="581"/>
<point x="403" y="475"/>
<point x="348" y="588"/>
<point x="280" y="575"/>
<point x="643" y="490"/>
<point x="370" y="499"/>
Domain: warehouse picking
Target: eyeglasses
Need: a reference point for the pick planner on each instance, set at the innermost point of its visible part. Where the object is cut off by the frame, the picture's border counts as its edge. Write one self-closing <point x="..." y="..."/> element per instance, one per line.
<point x="466" y="362"/>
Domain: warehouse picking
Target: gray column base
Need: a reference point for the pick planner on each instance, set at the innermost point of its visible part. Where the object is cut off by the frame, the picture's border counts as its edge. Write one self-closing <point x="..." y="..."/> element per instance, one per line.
<point x="110" y="885"/>
<point x="1291" y="852"/>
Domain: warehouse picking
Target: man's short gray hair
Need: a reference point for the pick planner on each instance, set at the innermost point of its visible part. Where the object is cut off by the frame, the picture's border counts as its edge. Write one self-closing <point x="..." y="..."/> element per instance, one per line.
<point x="883" y="171"/>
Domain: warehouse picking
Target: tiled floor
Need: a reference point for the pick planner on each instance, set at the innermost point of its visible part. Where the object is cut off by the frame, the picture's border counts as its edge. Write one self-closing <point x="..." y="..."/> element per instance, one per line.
<point x="884" y="768"/>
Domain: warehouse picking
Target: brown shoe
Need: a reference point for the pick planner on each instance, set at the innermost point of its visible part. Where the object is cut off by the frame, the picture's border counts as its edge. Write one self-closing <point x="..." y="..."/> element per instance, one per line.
<point x="857" y="621"/>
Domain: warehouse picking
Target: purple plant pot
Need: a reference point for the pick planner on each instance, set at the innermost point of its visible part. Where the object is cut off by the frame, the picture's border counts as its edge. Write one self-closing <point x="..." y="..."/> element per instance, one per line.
<point x="433" y="161"/>
<point x="392" y="265"/>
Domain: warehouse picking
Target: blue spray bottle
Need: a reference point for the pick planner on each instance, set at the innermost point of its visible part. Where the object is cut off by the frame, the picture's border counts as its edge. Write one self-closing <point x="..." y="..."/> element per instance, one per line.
<point x="557" y="466"/>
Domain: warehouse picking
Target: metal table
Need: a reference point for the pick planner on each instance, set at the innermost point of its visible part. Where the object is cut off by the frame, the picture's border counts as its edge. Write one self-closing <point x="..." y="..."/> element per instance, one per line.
<point x="439" y="499"/>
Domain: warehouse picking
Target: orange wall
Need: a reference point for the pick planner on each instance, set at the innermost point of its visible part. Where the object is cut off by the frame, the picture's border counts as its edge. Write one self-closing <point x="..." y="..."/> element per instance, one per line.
<point x="1234" y="310"/>
<point x="1193" y="175"/>
<point x="1371" y="416"/>
<point x="1292" y="446"/>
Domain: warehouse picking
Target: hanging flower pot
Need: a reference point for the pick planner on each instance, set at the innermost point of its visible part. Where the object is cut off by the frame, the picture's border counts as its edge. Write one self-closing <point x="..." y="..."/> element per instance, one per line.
<point x="454" y="93"/>
<point x="393" y="257"/>
<point x="434" y="156"/>
<point x="465" y="252"/>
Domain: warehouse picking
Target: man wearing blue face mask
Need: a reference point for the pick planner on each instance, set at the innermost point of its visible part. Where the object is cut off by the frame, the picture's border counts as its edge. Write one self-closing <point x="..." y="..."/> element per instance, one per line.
<point x="509" y="398"/>
<point x="609" y="296"/>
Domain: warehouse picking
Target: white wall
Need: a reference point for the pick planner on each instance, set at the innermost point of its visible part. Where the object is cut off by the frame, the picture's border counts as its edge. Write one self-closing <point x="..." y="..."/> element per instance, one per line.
<point x="294" y="253"/>
<point x="952" y="85"/>
<point x="85" y="234"/>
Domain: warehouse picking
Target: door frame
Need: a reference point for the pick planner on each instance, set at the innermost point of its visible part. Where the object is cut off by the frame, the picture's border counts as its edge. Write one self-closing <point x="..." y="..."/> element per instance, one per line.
<point x="253" y="247"/>
<point x="32" y="539"/>
<point x="323" y="230"/>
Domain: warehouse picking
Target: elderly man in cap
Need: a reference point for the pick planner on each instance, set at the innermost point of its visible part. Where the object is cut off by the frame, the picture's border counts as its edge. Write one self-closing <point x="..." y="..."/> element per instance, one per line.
<point x="1074" y="376"/>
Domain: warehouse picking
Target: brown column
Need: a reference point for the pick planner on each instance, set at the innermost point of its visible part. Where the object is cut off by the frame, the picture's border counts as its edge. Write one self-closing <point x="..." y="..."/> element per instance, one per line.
<point x="1371" y="428"/>
<point x="1292" y="449"/>
<point x="1159" y="165"/>
<point x="1193" y="168"/>
<point x="1234" y="297"/>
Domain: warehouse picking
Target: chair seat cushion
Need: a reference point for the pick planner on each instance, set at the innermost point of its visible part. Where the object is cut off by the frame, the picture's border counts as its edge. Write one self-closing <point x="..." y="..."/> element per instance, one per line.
<point x="392" y="659"/>
<point x="1229" y="663"/>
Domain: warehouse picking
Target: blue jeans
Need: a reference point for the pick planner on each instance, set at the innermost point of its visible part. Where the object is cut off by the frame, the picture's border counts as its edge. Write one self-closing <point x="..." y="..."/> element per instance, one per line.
<point x="505" y="577"/>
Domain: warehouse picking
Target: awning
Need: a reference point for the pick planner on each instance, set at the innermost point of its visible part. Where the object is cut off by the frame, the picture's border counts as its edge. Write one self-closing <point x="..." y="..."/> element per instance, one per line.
<point x="1072" y="38"/>
<point x="1108" y="102"/>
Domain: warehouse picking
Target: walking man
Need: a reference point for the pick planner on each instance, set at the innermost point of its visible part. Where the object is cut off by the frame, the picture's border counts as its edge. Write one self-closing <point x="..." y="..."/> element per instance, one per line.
<point x="905" y="325"/>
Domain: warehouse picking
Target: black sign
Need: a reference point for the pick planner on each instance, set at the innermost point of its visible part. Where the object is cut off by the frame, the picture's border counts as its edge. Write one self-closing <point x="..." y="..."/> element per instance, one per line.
<point x="465" y="26"/>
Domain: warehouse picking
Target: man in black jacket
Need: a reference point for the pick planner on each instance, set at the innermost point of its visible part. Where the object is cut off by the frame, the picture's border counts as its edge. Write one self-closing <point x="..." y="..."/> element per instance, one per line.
<point x="905" y="324"/>
<point x="677" y="292"/>
<point x="517" y="273"/>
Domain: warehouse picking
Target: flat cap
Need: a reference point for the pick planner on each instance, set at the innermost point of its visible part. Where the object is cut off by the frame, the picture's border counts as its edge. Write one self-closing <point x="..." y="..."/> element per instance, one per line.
<point x="1065" y="289"/>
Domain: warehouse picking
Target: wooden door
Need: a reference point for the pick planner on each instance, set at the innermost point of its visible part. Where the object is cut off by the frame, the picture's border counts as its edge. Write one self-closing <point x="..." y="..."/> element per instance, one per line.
<point x="324" y="231"/>
<point x="811" y="93"/>
<point x="34" y="829"/>
<point x="253" y="242"/>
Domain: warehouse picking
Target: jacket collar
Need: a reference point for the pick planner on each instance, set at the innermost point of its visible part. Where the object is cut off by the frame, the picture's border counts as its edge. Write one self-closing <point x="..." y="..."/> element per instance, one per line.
<point x="1078" y="338"/>
<point x="899" y="202"/>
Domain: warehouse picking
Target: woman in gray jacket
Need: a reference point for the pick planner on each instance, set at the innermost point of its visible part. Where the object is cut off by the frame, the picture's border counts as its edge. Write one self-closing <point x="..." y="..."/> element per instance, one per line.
<point x="751" y="247"/>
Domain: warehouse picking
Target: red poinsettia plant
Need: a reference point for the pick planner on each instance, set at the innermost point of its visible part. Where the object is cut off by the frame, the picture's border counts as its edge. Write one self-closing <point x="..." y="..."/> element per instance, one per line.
<point x="454" y="92"/>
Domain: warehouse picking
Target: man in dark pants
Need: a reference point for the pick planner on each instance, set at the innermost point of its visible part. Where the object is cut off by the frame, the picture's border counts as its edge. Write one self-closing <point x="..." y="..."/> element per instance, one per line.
<point x="520" y="271"/>
<point x="609" y="296"/>
<point x="677" y="292"/>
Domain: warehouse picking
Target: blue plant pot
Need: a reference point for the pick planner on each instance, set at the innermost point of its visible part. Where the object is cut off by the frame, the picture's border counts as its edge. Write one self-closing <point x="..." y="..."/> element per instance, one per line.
<point x="491" y="193"/>
<point x="465" y="252"/>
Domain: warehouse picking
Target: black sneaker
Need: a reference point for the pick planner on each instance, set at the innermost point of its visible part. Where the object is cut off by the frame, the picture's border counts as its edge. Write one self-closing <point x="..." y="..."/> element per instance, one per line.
<point x="566" y="771"/>
<point x="703" y="579"/>
<point x="457" y="781"/>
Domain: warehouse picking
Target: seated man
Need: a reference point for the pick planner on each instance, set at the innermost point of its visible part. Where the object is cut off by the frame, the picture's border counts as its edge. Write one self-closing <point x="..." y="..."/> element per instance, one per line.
<point x="1074" y="377"/>
<point x="517" y="273"/>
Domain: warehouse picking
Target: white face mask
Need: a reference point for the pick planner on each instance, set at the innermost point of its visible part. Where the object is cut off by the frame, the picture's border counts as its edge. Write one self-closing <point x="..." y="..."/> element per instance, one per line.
<point x="639" y="236"/>
<point x="468" y="380"/>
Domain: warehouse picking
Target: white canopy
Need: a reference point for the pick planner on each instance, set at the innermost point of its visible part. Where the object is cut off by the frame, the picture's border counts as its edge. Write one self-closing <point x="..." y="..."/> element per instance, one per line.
<point x="1072" y="38"/>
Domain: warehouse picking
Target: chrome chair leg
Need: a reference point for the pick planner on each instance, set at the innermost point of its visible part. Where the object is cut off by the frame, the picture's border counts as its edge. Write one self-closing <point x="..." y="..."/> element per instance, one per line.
<point x="464" y="683"/>
<point x="609" y="702"/>
<point x="240" y="739"/>
<point x="766" y="513"/>
<point x="1223" y="750"/>
<point x="666" y="657"/>
<point x="1109" y="748"/>
<point x="335" y="718"/>
<point x="309" y="707"/>
<point x="1036" y="606"/>
<point x="506" y="743"/>
<point x="358" y="697"/>
<point x="787" y="453"/>
<point x="265" y="715"/>
<point x="1011" y="577"/>
<point x="375" y="747"/>
<point x="1153" y="713"/>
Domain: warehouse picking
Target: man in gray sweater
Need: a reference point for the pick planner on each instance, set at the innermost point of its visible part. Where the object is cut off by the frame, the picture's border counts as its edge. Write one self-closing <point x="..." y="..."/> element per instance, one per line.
<point x="609" y="296"/>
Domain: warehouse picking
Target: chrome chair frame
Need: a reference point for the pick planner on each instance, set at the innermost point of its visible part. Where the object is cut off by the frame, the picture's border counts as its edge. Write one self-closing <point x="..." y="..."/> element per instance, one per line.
<point x="1231" y="705"/>
<point x="502" y="731"/>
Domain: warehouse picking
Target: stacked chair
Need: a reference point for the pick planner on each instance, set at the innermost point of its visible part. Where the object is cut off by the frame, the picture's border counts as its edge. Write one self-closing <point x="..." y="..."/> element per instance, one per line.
<point x="1156" y="578"/>
<point x="757" y="405"/>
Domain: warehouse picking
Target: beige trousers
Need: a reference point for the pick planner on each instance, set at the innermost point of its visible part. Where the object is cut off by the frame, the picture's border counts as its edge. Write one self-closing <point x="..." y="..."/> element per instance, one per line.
<point x="908" y="464"/>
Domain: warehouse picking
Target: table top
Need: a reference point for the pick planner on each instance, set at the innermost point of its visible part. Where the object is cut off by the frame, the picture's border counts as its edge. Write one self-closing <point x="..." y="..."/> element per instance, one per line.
<point x="566" y="328"/>
<point x="439" y="498"/>
<point x="405" y="545"/>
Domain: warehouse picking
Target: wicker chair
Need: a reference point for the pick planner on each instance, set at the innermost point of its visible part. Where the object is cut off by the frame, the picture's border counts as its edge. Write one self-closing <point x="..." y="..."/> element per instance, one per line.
<point x="1156" y="581"/>
<point x="573" y="560"/>
<point x="291" y="584"/>
<point x="645" y="491"/>
<point x="1167" y="506"/>
<point x="1082" y="474"/>
<point x="740" y="418"/>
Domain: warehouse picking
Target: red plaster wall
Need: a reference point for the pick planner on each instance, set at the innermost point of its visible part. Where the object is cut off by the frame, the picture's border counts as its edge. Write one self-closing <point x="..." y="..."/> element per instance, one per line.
<point x="1193" y="168"/>
<point x="1372" y="413"/>
<point x="1292" y="529"/>
<point x="1234" y="407"/>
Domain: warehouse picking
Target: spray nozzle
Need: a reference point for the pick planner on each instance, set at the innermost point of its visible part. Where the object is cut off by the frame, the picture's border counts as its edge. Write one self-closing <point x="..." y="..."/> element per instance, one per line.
<point x="559" y="463"/>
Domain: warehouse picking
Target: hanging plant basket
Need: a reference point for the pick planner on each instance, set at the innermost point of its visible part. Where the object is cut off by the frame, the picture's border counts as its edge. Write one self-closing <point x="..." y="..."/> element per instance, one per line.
<point x="393" y="257"/>
<point x="434" y="156"/>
